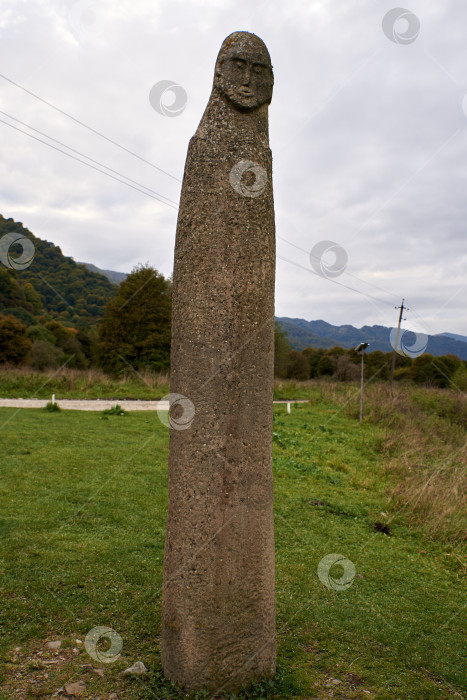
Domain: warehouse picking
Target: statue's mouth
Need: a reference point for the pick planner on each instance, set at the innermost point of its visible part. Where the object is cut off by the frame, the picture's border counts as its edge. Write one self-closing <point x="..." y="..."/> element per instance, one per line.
<point x="246" y="92"/>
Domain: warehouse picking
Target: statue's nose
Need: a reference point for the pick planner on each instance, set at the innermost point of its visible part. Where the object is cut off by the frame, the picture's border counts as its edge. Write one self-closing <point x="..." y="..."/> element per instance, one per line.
<point x="246" y="75"/>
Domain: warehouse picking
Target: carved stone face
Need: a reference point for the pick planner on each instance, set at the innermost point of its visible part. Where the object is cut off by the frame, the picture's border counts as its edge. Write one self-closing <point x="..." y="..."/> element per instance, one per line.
<point x="244" y="72"/>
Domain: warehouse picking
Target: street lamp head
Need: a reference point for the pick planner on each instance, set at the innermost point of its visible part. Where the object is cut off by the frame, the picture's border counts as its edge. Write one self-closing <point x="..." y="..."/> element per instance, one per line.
<point x="361" y="347"/>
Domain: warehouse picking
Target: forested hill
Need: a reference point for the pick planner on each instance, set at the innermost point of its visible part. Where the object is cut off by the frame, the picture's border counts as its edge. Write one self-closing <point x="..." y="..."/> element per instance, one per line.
<point x="319" y="334"/>
<point x="53" y="285"/>
<point x="112" y="275"/>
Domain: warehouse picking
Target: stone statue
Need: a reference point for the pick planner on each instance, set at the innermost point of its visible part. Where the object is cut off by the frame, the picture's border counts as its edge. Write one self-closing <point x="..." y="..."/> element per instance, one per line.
<point x="218" y="603"/>
<point x="243" y="72"/>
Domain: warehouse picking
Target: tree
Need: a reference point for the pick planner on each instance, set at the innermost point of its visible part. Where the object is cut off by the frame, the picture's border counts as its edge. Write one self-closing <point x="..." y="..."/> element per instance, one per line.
<point x="40" y="332"/>
<point x="135" y="330"/>
<point x="281" y="352"/>
<point x="377" y="364"/>
<point x="32" y="297"/>
<point x="434" y="371"/>
<point x="45" y="355"/>
<point x="11" y="292"/>
<point x="346" y="370"/>
<point x="328" y="362"/>
<point x="314" y="355"/>
<point x="88" y="340"/>
<point x="14" y="342"/>
<point x="459" y="379"/>
<point x="299" y="366"/>
<point x="67" y="339"/>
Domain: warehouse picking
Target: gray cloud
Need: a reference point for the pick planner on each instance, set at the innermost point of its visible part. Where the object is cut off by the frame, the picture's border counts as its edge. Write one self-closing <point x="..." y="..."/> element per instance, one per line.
<point x="368" y="137"/>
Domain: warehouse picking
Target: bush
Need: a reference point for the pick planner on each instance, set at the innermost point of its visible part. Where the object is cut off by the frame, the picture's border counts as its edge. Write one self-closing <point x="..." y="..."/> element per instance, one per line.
<point x="73" y="353"/>
<point x="20" y="314"/>
<point x="378" y="364"/>
<point x="328" y="363"/>
<point x="299" y="367"/>
<point x="44" y="355"/>
<point x="314" y="355"/>
<point x="459" y="378"/>
<point x="403" y="374"/>
<point x="116" y="410"/>
<point x="39" y="332"/>
<point x="434" y="371"/>
<point x="346" y="370"/>
<point x="15" y="345"/>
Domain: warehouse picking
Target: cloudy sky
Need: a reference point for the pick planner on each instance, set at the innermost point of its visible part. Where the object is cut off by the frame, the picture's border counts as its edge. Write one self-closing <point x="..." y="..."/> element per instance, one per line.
<point x="368" y="129"/>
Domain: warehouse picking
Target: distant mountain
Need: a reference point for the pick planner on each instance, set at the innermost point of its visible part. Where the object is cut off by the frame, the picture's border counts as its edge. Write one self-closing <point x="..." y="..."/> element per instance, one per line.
<point x="319" y="334"/>
<point x="462" y="338"/>
<point x="52" y="286"/>
<point x="112" y="275"/>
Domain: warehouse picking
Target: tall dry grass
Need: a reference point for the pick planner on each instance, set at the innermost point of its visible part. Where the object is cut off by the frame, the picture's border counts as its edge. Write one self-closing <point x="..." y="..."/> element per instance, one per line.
<point x="424" y="449"/>
<point x="23" y="382"/>
<point x="426" y="455"/>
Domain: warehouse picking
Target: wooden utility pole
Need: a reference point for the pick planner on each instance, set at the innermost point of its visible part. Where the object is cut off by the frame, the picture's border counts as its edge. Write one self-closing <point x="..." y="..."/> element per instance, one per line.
<point x="396" y="344"/>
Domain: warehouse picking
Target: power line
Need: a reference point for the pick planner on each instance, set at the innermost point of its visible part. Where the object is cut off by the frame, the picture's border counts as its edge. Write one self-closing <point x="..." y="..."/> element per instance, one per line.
<point x="370" y="284"/>
<point x="331" y="279"/>
<point x="147" y="193"/>
<point x="88" y="164"/>
<point x="341" y="284"/>
<point x="84" y="156"/>
<point x="90" y="128"/>
<point x="137" y="188"/>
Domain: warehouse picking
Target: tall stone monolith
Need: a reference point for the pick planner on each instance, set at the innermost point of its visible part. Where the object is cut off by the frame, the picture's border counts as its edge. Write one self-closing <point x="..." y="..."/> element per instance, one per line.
<point x="218" y="604"/>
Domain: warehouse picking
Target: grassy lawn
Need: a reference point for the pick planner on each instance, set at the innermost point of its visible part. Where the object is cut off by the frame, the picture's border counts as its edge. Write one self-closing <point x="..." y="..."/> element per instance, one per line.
<point x="83" y="502"/>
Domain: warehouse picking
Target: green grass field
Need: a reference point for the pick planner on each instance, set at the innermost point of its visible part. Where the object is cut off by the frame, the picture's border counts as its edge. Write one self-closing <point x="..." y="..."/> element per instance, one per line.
<point x="83" y="502"/>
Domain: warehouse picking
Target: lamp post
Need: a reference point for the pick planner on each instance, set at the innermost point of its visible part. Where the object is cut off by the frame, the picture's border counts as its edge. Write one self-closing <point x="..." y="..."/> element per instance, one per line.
<point x="361" y="350"/>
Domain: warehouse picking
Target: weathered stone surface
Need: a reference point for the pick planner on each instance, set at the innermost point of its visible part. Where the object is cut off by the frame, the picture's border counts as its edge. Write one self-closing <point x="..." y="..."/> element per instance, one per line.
<point x="55" y="645"/>
<point x="218" y="595"/>
<point x="138" y="669"/>
<point x="75" y="689"/>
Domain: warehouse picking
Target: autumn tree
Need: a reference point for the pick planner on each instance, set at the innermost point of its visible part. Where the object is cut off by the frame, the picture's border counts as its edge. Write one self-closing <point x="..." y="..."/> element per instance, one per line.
<point x="14" y="342"/>
<point x="135" y="331"/>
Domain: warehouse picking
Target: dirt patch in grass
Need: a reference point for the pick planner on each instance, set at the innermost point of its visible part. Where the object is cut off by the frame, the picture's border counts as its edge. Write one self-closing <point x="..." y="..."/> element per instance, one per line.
<point x="65" y="672"/>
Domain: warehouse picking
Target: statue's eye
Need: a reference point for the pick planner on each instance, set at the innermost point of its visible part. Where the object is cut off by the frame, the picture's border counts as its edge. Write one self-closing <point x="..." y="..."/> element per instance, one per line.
<point x="258" y="69"/>
<point x="239" y="64"/>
